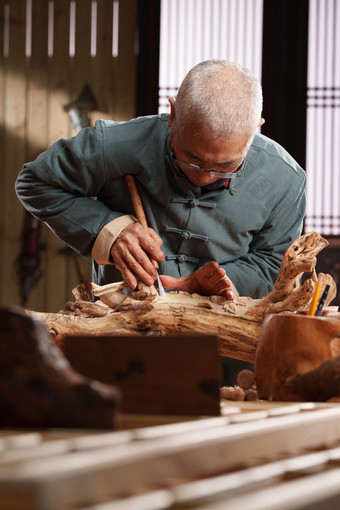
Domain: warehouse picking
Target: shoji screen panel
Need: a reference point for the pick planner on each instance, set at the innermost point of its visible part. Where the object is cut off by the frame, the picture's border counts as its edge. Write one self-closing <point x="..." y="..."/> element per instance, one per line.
<point x="323" y="118"/>
<point x="196" y="30"/>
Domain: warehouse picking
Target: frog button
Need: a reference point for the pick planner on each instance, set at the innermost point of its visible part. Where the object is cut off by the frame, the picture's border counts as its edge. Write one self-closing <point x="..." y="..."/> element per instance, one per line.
<point x="181" y="258"/>
<point x="194" y="203"/>
<point x="185" y="234"/>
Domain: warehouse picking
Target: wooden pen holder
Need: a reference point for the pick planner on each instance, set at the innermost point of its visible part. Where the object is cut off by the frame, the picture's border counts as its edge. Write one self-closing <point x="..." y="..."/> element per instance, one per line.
<point x="289" y="345"/>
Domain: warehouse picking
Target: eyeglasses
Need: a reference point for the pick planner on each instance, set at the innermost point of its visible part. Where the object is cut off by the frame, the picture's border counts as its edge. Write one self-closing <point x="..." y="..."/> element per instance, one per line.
<point x="212" y="171"/>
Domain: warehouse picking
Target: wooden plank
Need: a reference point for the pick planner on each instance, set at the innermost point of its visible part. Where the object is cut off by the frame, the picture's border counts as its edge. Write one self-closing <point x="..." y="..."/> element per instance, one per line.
<point x="246" y="489"/>
<point x="14" y="154"/>
<point x="316" y="492"/>
<point x="2" y="149"/>
<point x="37" y="80"/>
<point x="104" y="65"/>
<point x="50" y="446"/>
<point x="237" y="485"/>
<point x="79" y="479"/>
<point x="126" y="62"/>
<point x="155" y="500"/>
<point x="81" y="73"/>
<point x="162" y="375"/>
<point x="58" y="264"/>
<point x="36" y="118"/>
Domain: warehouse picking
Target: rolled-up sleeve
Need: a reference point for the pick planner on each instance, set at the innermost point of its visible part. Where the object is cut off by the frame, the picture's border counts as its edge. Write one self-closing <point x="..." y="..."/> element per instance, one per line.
<point x="107" y="236"/>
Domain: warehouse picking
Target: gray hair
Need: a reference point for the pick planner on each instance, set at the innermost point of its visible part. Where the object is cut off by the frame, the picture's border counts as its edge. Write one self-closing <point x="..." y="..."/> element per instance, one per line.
<point x="221" y="97"/>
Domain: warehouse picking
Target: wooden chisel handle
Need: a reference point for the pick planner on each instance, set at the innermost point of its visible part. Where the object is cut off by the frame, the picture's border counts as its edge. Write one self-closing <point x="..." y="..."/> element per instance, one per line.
<point x="136" y="200"/>
<point x="139" y="211"/>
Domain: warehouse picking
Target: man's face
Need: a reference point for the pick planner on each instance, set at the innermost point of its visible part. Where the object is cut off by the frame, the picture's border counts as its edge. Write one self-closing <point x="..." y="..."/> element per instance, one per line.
<point x="198" y="148"/>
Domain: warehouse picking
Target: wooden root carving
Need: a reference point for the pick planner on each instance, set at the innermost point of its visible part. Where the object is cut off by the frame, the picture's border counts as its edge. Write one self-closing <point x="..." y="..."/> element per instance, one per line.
<point x="237" y="323"/>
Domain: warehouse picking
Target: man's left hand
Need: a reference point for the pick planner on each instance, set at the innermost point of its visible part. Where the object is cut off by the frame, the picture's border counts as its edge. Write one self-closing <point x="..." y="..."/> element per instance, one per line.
<point x="208" y="280"/>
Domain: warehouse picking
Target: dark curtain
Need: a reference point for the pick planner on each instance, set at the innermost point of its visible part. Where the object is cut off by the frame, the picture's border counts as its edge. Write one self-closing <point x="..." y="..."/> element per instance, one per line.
<point x="284" y="74"/>
<point x="148" y="57"/>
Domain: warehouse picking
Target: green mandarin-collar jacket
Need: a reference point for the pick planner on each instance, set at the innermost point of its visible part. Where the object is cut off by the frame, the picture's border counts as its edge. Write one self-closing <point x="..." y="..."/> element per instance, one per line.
<point x="76" y="187"/>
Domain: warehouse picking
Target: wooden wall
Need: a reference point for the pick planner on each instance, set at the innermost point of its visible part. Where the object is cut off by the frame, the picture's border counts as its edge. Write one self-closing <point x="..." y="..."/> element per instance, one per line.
<point x="34" y="87"/>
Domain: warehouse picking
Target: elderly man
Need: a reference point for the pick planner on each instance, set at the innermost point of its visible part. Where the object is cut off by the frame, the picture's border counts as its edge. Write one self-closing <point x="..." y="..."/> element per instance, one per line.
<point x="222" y="201"/>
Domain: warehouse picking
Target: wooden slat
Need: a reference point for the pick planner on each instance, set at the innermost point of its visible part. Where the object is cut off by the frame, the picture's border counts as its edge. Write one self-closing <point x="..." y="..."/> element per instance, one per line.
<point x="48" y="446"/>
<point x="80" y="74"/>
<point x="37" y="81"/>
<point x="155" y="500"/>
<point x="126" y="67"/>
<point x="245" y="489"/>
<point x="36" y="121"/>
<point x="104" y="82"/>
<point x="57" y="265"/>
<point x="14" y="153"/>
<point x="81" y="69"/>
<point x="2" y="146"/>
<point x="316" y="492"/>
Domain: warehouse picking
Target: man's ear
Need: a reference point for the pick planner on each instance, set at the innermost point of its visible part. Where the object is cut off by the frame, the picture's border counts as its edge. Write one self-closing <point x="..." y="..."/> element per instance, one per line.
<point x="172" y="111"/>
<point x="262" y="121"/>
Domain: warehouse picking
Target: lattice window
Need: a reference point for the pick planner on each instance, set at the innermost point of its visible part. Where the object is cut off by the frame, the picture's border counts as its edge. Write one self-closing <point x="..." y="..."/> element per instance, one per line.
<point x="323" y="118"/>
<point x="72" y="28"/>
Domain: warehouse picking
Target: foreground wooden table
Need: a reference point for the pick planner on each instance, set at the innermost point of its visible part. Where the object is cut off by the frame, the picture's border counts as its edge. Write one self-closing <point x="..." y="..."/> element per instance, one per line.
<point x="256" y="455"/>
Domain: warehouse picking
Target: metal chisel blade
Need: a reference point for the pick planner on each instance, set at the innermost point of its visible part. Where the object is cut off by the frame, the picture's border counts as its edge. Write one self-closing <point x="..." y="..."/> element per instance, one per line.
<point x="160" y="286"/>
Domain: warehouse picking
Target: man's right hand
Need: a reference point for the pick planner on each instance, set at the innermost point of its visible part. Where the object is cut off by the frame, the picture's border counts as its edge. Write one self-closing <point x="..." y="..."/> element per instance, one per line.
<point x="132" y="252"/>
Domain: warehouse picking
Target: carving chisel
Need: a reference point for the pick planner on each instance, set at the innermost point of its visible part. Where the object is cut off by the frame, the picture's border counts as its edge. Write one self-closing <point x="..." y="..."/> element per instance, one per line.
<point x="139" y="211"/>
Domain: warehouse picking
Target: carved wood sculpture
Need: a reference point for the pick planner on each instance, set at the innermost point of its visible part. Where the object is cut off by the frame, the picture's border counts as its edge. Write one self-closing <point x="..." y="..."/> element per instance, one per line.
<point x="237" y="323"/>
<point x="38" y="386"/>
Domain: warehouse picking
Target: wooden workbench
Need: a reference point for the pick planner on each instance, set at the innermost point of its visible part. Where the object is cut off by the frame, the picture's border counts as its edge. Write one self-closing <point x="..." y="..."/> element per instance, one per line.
<point x="255" y="455"/>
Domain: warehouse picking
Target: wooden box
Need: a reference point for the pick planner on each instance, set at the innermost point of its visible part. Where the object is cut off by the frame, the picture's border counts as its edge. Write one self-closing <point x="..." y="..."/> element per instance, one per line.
<point x="156" y="375"/>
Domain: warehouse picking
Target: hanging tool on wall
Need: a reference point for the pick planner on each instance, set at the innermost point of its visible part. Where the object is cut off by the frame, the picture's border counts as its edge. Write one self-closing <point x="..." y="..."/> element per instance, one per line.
<point x="28" y="261"/>
<point x="79" y="109"/>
